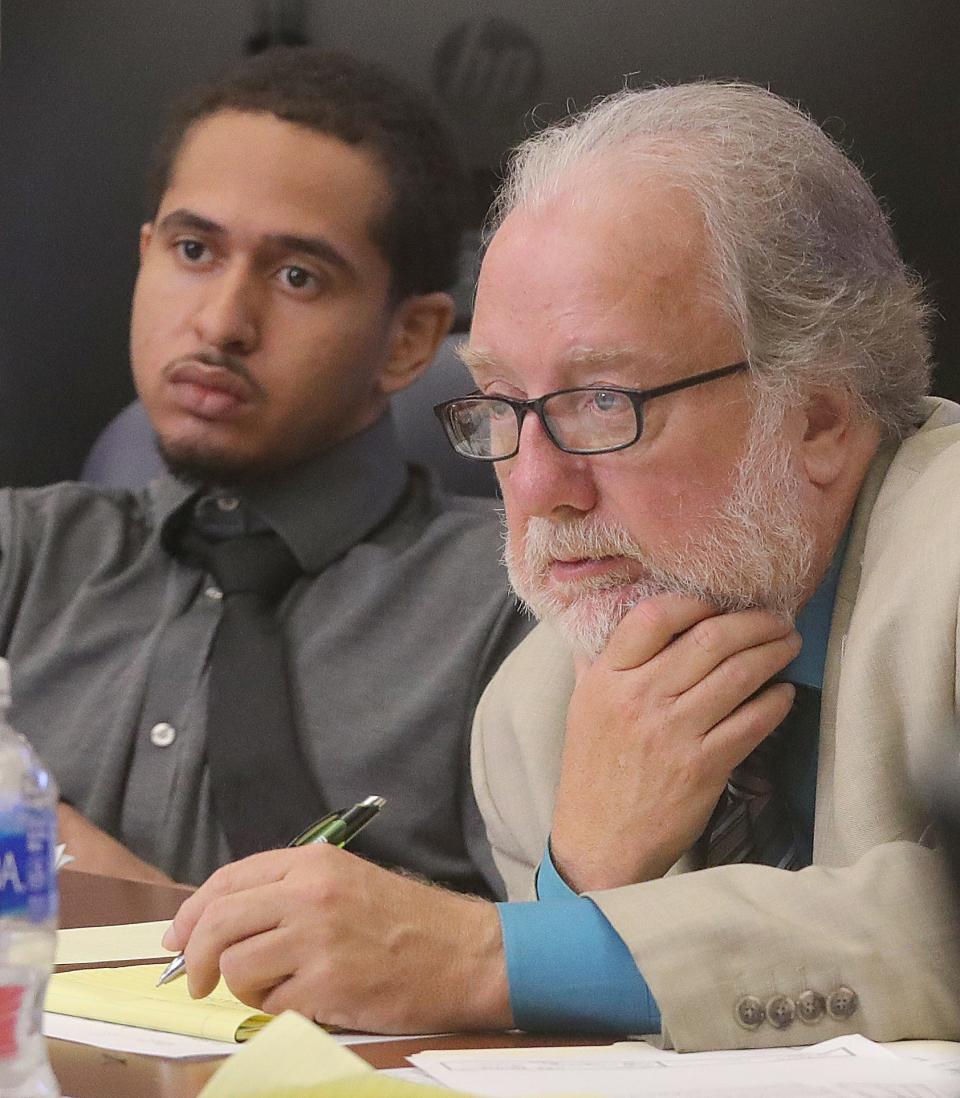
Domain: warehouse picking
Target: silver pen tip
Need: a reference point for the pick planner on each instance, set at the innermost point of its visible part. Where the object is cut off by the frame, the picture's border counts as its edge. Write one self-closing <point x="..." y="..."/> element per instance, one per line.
<point x="172" y="970"/>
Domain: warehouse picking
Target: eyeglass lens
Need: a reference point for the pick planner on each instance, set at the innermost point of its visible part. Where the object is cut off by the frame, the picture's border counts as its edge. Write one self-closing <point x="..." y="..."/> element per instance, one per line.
<point x="581" y="420"/>
<point x="590" y="419"/>
<point x="470" y="425"/>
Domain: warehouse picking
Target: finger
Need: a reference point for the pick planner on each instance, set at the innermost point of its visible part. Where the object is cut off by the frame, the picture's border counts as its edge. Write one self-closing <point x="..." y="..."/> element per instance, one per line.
<point x="226" y="921"/>
<point x="299" y="993"/>
<point x="736" y="680"/>
<point x="310" y="996"/>
<point x="710" y="642"/>
<point x="649" y="627"/>
<point x="287" y="994"/>
<point x="732" y="740"/>
<point x="269" y="867"/>
<point x="254" y="967"/>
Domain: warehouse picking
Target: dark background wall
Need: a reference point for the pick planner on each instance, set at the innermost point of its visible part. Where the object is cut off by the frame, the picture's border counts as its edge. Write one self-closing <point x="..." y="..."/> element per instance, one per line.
<point x="83" y="87"/>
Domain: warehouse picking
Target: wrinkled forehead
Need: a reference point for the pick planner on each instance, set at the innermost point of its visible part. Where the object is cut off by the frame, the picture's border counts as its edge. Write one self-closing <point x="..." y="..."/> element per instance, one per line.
<point x="626" y="268"/>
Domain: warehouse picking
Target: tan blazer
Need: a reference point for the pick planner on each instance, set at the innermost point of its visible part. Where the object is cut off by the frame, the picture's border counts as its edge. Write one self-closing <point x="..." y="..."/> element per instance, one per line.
<point x="743" y="944"/>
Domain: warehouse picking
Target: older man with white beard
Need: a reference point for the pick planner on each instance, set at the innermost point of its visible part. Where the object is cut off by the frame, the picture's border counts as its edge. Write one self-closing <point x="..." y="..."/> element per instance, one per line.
<point x="637" y="252"/>
<point x="702" y="371"/>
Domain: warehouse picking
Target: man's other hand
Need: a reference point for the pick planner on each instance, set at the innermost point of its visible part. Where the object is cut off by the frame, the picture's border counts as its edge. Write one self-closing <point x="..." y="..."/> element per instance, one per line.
<point x="342" y="941"/>
<point x="655" y="725"/>
<point x="94" y="851"/>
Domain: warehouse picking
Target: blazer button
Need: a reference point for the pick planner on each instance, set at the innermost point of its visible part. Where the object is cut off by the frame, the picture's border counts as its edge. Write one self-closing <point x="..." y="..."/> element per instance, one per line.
<point x="810" y="1006"/>
<point x="781" y="1010"/>
<point x="749" y="1012"/>
<point x="842" y="1003"/>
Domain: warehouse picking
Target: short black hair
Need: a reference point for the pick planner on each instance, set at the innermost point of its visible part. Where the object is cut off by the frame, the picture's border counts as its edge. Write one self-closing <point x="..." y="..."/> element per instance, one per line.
<point x="362" y="105"/>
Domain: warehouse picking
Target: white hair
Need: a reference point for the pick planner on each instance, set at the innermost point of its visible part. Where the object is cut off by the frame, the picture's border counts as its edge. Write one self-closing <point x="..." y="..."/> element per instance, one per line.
<point x="805" y="261"/>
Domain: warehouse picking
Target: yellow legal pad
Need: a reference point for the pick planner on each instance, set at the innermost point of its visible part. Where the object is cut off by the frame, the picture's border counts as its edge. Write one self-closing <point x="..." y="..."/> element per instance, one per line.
<point x="293" y="1058"/>
<point x="130" y="997"/>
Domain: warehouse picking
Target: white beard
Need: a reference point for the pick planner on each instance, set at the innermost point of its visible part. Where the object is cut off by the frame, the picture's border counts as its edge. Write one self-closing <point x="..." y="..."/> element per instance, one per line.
<point x="756" y="551"/>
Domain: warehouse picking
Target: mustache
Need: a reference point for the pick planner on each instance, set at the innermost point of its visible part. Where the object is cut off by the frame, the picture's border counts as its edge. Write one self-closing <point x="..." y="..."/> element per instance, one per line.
<point x="225" y="361"/>
<point x="585" y="539"/>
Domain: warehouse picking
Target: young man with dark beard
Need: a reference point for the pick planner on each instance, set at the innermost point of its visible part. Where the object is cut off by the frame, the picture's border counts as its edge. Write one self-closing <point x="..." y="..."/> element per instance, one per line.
<point x="293" y="618"/>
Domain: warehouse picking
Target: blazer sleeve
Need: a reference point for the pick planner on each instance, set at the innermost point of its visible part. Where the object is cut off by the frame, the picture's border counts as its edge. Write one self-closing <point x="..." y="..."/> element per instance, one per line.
<point x="515" y="754"/>
<point x="738" y="955"/>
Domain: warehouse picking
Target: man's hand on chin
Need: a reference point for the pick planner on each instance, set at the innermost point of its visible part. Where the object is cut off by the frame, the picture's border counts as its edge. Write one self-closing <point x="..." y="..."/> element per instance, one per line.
<point x="344" y="942"/>
<point x="680" y="696"/>
<point x="94" y="851"/>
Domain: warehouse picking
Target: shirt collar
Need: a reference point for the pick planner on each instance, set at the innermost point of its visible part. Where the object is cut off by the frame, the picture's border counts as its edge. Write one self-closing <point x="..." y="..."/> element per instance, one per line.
<point x="323" y="506"/>
<point x="813" y="625"/>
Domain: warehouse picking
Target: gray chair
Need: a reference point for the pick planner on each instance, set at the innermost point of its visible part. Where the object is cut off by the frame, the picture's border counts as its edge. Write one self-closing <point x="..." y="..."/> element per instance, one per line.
<point x="125" y="453"/>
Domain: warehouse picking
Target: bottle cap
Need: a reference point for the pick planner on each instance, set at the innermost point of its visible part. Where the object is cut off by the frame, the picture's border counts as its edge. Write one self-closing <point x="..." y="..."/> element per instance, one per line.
<point x="4" y="682"/>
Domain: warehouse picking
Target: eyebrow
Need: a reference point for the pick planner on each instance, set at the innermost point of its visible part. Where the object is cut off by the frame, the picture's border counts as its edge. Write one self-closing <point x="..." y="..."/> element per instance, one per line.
<point x="477" y="358"/>
<point x="316" y="246"/>
<point x="185" y="219"/>
<point x="471" y="358"/>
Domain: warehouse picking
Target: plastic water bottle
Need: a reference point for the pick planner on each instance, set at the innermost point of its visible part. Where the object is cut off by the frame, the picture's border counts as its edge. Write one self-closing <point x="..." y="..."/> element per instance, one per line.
<point x="28" y="909"/>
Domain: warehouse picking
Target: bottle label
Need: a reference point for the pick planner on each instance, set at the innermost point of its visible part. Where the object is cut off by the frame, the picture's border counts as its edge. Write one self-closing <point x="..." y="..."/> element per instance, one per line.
<point x="28" y="880"/>
<point x="11" y="998"/>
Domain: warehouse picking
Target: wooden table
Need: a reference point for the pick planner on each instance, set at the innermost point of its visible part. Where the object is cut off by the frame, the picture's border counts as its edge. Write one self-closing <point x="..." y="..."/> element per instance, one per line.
<point x="87" y="1072"/>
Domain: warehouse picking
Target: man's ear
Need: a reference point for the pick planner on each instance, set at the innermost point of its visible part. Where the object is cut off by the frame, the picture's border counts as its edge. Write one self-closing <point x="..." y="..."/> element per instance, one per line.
<point x="829" y="433"/>
<point x="419" y="324"/>
<point x="146" y="235"/>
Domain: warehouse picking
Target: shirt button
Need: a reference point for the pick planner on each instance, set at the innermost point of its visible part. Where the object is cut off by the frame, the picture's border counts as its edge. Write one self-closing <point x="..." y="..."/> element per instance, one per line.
<point x="781" y="1010"/>
<point x="228" y="503"/>
<point x="841" y="1003"/>
<point x="213" y="593"/>
<point x="162" y="734"/>
<point x="810" y="1006"/>
<point x="749" y="1012"/>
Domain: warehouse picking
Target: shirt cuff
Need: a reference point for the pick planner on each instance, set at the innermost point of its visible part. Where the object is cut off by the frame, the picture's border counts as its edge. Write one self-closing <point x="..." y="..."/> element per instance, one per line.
<point x="567" y="967"/>
<point x="549" y="884"/>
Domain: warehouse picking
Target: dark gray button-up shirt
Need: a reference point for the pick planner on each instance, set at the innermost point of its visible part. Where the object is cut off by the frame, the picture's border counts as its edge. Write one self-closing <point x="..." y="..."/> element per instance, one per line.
<point x="402" y="617"/>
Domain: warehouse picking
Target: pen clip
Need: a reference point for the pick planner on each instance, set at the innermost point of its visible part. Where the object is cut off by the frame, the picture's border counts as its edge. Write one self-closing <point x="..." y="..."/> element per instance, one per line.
<point x="305" y="836"/>
<point x="353" y="820"/>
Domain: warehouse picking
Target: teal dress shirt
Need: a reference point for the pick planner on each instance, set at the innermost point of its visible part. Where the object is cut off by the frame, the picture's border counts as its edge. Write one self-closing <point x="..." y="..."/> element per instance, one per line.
<point x="567" y="967"/>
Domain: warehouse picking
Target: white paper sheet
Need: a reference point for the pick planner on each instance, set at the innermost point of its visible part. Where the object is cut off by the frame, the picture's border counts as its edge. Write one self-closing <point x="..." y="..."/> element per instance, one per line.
<point x="944" y="1055"/>
<point x="409" y="1075"/>
<point x="848" y="1067"/>
<point x="146" y="1042"/>
<point x="149" y="1042"/>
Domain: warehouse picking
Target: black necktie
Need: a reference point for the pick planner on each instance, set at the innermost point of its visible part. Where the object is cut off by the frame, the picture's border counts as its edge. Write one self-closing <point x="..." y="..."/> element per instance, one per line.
<point x="750" y="822"/>
<point x="263" y="791"/>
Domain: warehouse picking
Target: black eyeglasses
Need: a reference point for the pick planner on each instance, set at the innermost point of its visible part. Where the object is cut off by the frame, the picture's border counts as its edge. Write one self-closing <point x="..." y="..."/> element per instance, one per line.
<point x="577" y="421"/>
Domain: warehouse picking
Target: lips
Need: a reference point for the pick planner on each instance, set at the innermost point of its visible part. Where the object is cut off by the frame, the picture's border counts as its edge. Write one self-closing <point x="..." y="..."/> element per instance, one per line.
<point x="208" y="391"/>
<point x="569" y="571"/>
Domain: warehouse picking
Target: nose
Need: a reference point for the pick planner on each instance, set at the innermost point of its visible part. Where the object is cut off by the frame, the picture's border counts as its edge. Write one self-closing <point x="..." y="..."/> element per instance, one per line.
<point x="228" y="313"/>
<point x="543" y="481"/>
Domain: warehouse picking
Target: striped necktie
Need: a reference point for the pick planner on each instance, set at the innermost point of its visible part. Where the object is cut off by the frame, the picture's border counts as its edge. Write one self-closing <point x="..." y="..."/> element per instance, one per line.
<point x="750" y="822"/>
